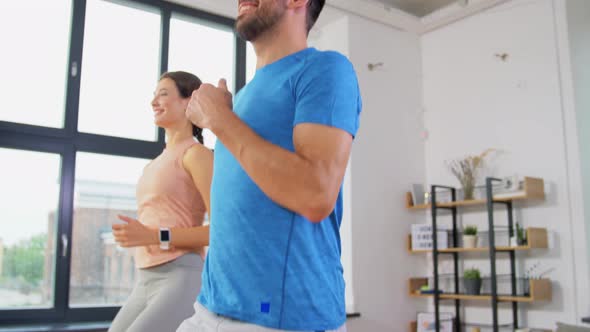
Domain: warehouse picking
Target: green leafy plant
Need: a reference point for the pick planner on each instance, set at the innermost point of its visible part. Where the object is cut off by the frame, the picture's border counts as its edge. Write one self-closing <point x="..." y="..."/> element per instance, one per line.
<point x="470" y="230"/>
<point x="472" y="274"/>
<point x="520" y="234"/>
<point x="23" y="262"/>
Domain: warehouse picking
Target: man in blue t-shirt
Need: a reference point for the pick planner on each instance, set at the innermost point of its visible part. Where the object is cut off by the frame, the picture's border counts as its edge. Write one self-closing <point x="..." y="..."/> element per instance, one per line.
<point x="276" y="196"/>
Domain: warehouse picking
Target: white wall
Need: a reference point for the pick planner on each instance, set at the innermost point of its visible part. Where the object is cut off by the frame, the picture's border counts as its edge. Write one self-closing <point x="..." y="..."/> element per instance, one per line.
<point x="578" y="17"/>
<point x="474" y="100"/>
<point x="388" y="157"/>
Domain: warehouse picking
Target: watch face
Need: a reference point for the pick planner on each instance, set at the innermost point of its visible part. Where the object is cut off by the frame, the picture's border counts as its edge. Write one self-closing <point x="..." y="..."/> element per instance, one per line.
<point x="164" y="235"/>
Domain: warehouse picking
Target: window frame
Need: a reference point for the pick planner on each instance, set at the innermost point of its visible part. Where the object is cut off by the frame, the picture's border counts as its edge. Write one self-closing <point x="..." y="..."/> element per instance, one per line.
<point x="67" y="141"/>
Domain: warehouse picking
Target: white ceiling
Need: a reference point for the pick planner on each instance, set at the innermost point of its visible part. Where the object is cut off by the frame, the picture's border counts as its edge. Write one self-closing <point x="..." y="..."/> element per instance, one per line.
<point x="417" y="8"/>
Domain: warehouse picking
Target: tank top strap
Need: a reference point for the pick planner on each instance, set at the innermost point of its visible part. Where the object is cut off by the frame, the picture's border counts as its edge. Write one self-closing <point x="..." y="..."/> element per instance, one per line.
<point x="182" y="147"/>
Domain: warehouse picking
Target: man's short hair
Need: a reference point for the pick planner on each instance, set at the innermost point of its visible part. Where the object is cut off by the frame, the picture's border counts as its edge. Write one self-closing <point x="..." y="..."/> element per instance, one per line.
<point x="314" y="8"/>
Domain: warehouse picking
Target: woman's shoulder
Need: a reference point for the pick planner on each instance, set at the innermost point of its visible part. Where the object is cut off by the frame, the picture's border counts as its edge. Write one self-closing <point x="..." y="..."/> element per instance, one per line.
<point x="196" y="153"/>
<point x="196" y="149"/>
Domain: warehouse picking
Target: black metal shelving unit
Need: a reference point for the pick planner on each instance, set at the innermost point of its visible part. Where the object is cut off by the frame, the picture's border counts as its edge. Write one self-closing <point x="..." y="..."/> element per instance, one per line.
<point x="490" y="203"/>
<point x="435" y="253"/>
<point x="490" y="207"/>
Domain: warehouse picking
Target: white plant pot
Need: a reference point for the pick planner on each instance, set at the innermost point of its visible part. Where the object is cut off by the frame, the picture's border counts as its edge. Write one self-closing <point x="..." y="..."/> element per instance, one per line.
<point x="469" y="241"/>
<point x="513" y="242"/>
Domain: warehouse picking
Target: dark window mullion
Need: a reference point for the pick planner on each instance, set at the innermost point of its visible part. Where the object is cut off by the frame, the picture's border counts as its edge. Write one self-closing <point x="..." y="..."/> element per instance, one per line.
<point x="64" y="230"/>
<point x="21" y="128"/>
<point x="24" y="141"/>
<point x="164" y="51"/>
<point x="66" y="196"/>
<point x="28" y="316"/>
<point x="240" y="63"/>
<point x="125" y="147"/>
<point x="99" y="314"/>
<point x="75" y="67"/>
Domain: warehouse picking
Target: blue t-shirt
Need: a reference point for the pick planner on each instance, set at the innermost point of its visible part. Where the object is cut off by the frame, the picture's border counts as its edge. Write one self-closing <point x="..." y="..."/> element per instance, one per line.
<point x="267" y="265"/>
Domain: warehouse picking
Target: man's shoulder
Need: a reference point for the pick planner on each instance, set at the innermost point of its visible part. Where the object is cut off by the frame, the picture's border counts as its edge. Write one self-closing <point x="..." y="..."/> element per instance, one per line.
<point x="326" y="65"/>
<point x="320" y="58"/>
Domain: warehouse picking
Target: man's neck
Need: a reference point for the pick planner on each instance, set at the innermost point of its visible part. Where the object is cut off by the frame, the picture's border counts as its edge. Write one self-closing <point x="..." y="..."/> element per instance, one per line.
<point x="278" y="43"/>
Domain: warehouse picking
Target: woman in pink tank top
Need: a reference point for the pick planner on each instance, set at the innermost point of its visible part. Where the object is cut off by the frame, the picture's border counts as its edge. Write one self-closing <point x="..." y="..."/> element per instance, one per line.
<point x="169" y="236"/>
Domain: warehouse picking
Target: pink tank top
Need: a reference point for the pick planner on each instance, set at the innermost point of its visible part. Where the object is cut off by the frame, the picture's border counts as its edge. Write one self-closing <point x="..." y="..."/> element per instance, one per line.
<point x="167" y="197"/>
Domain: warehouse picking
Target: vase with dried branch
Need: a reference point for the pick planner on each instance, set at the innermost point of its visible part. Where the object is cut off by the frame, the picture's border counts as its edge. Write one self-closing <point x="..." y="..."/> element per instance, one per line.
<point x="466" y="171"/>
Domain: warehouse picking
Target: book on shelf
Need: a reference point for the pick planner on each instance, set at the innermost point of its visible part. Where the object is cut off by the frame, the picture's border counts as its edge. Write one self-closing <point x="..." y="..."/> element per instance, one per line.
<point x="418" y="197"/>
<point x="509" y="194"/>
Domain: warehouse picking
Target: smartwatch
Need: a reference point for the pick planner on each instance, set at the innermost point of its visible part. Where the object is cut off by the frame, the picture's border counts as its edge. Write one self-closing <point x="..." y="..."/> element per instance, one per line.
<point x="164" y="238"/>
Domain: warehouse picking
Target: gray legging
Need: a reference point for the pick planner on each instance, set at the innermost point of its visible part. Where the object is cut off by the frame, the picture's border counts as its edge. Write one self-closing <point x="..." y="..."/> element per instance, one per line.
<point x="162" y="298"/>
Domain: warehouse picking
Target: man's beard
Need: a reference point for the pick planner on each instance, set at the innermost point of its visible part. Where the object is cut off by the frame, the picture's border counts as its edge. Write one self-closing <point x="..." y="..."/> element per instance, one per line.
<point x="262" y="20"/>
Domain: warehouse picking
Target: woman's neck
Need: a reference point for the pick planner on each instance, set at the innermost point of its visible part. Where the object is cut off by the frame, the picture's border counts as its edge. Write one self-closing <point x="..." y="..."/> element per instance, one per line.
<point x="174" y="137"/>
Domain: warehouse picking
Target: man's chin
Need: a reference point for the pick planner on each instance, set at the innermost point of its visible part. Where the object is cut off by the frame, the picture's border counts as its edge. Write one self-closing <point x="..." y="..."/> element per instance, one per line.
<point x="245" y="33"/>
<point x="241" y="17"/>
<point x="246" y="18"/>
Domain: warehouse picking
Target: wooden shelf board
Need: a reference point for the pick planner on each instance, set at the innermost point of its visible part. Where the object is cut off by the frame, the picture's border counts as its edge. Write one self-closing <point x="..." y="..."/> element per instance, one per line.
<point x="540" y="291"/>
<point x="473" y="202"/>
<point x="419" y="207"/>
<point x="413" y="325"/>
<point x="502" y="298"/>
<point x="420" y="251"/>
<point x="480" y="249"/>
<point x="533" y="190"/>
<point x="421" y="295"/>
<point x="462" y="203"/>
<point x="509" y="298"/>
<point x="537" y="239"/>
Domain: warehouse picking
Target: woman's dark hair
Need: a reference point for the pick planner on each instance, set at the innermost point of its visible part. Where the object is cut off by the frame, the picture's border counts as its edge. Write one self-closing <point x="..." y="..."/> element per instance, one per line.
<point x="186" y="84"/>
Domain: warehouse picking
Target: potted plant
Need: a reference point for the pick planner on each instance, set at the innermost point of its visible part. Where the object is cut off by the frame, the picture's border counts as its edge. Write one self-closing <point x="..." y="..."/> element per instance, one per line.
<point x="472" y="281"/>
<point x="470" y="237"/>
<point x="519" y="237"/>
<point x="465" y="170"/>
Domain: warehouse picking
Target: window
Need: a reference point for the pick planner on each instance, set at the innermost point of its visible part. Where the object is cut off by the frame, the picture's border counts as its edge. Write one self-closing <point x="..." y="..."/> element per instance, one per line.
<point x="99" y="196"/>
<point x="75" y="140"/>
<point x="204" y="49"/>
<point x="250" y="62"/>
<point x="120" y="69"/>
<point x="29" y="202"/>
<point x="34" y="61"/>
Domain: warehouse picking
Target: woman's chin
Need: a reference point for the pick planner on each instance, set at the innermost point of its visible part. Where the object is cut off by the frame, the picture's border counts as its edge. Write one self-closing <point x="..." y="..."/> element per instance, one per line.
<point x="160" y="123"/>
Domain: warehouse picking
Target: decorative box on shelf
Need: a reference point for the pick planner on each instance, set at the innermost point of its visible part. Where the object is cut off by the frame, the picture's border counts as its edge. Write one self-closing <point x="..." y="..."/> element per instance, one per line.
<point x="422" y="237"/>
